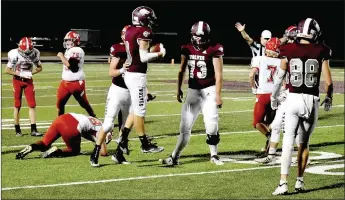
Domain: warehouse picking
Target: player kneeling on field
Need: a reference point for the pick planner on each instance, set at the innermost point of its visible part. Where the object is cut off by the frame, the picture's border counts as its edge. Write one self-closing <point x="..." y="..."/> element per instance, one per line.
<point x="71" y="127"/>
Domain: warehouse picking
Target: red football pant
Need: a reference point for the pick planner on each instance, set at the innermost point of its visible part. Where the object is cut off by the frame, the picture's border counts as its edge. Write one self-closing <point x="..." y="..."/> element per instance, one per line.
<point x="64" y="126"/>
<point x="77" y="89"/>
<point x="262" y="109"/>
<point x="29" y="91"/>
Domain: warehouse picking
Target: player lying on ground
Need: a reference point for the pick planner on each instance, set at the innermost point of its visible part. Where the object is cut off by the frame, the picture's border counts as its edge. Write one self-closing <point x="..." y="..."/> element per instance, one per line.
<point x="70" y="127"/>
<point x="20" y="66"/>
<point x="204" y="60"/>
<point x="303" y="61"/>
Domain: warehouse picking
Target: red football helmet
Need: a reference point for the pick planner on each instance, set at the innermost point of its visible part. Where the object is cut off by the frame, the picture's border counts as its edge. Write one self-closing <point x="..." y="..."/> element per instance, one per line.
<point x="309" y="29"/>
<point x="123" y="32"/>
<point x="200" y="34"/>
<point x="71" y="39"/>
<point x="144" y="16"/>
<point x="25" y="46"/>
<point x="291" y="32"/>
<point x="272" y="47"/>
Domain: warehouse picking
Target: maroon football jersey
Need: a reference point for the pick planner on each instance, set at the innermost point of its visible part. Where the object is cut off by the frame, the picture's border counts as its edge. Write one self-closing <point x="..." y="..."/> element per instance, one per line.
<point x="119" y="51"/>
<point x="304" y="66"/>
<point x="132" y="37"/>
<point x="200" y="65"/>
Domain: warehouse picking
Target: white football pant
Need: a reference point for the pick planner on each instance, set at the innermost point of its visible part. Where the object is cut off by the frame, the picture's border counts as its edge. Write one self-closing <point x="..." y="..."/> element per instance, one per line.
<point x="136" y="83"/>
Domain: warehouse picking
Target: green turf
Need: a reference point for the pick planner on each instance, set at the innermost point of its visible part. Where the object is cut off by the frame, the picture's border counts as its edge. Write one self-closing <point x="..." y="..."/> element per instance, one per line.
<point x="146" y="178"/>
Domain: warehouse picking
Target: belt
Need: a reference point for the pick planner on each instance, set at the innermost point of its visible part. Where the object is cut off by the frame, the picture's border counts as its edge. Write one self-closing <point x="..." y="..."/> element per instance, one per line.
<point x="21" y="79"/>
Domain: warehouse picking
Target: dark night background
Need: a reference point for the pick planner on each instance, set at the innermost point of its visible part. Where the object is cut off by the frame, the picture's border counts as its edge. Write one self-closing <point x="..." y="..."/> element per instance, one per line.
<point x="54" y="19"/>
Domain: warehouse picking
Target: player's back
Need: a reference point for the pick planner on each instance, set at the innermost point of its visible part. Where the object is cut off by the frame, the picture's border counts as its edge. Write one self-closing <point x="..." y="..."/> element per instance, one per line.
<point x="119" y="50"/>
<point x="304" y="66"/>
<point x="267" y="67"/>
<point x="132" y="37"/>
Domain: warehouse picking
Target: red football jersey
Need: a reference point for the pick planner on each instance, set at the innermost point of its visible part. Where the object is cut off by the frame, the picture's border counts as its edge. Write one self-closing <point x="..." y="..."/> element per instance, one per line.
<point x="119" y="51"/>
<point x="200" y="64"/>
<point x="304" y="66"/>
<point x="132" y="37"/>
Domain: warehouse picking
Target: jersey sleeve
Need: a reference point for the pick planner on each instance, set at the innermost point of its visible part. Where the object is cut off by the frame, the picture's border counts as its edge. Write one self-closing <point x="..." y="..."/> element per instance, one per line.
<point x="184" y="50"/>
<point x="112" y="50"/>
<point x="145" y="34"/>
<point x="327" y="52"/>
<point x="255" y="63"/>
<point x="218" y="50"/>
<point x="12" y="59"/>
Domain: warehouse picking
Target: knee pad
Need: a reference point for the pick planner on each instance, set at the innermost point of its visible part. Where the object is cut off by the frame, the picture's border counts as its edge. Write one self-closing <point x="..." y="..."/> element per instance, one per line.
<point x="108" y="124"/>
<point x="213" y="139"/>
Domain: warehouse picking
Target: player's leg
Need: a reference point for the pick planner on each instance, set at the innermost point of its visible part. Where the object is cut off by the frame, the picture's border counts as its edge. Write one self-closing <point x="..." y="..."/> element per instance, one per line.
<point x="260" y="110"/>
<point x="51" y="136"/>
<point x="189" y="113"/>
<point x="305" y="130"/>
<point x="17" y="94"/>
<point x="62" y="96"/>
<point x="29" y="92"/>
<point x="293" y="103"/>
<point x="136" y="83"/>
<point x="210" y="113"/>
<point x="79" y="94"/>
<point x="112" y="108"/>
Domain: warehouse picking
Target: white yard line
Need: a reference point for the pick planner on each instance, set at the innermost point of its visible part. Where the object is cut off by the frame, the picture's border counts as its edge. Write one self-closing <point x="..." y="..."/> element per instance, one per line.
<point x="137" y="178"/>
<point x="167" y="136"/>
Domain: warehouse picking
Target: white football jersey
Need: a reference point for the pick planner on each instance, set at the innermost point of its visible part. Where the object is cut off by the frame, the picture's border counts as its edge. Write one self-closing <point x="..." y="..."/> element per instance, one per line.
<point x="87" y="125"/>
<point x="68" y="75"/>
<point x="22" y="63"/>
<point x="267" y="67"/>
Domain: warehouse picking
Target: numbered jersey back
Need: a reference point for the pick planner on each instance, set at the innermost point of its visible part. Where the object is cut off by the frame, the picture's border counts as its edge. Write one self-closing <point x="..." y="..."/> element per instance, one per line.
<point x="200" y="65"/>
<point x="305" y="66"/>
<point x="267" y="67"/>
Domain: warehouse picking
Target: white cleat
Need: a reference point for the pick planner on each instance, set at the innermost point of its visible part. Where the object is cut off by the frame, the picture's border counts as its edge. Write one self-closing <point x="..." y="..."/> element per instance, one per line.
<point x="281" y="189"/>
<point x="266" y="160"/>
<point x="216" y="160"/>
<point x="299" y="185"/>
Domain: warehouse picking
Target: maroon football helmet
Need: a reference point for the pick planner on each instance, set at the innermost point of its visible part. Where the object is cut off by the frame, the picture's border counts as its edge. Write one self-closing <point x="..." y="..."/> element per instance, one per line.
<point x="200" y="34"/>
<point x="308" y="29"/>
<point x="144" y="16"/>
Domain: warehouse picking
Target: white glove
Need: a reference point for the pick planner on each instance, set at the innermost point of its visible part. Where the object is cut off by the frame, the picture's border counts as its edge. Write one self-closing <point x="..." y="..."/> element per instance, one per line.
<point x="254" y="90"/>
<point x="162" y="49"/>
<point x="27" y="75"/>
<point x="108" y="137"/>
<point x="282" y="95"/>
<point x="328" y="104"/>
<point x="274" y="103"/>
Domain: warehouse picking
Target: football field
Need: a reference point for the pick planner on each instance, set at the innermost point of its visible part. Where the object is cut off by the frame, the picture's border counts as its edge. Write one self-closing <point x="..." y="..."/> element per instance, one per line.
<point x="145" y="177"/>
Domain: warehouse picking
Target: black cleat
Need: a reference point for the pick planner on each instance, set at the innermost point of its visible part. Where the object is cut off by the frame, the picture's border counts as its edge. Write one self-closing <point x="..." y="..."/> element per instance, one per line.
<point x="119" y="158"/>
<point x="170" y="161"/>
<point x="152" y="148"/>
<point x="36" y="133"/>
<point x="19" y="134"/>
<point x="24" y="152"/>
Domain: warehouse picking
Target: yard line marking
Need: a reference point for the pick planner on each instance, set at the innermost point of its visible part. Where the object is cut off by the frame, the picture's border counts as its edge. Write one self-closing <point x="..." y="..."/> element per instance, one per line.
<point x="167" y="136"/>
<point x="138" y="178"/>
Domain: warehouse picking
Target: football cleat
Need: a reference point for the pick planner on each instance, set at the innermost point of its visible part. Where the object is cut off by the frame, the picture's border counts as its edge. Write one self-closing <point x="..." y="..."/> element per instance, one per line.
<point x="281" y="189"/>
<point x="152" y="148"/>
<point x="123" y="145"/>
<point x="299" y="185"/>
<point x="267" y="160"/>
<point x="119" y="158"/>
<point x="170" y="161"/>
<point x="215" y="159"/>
<point x="49" y="153"/>
<point x="19" y="134"/>
<point x="24" y="152"/>
<point x="36" y="133"/>
<point x="94" y="157"/>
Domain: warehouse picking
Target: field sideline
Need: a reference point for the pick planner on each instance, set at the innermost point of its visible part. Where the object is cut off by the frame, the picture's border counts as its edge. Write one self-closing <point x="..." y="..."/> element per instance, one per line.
<point x="146" y="178"/>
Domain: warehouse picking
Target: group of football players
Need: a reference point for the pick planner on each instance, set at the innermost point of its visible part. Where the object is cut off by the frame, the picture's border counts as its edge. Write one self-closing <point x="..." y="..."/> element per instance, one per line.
<point x="288" y="82"/>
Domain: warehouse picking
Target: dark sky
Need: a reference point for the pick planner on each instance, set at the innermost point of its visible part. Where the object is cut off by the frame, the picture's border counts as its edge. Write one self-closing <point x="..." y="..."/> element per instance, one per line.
<point x="54" y="19"/>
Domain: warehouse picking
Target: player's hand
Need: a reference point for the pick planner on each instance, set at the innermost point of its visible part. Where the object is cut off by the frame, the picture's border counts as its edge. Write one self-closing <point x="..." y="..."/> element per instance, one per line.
<point x="219" y="102"/>
<point x="274" y="104"/>
<point x="60" y="54"/>
<point x="150" y="97"/>
<point x="254" y="90"/>
<point x="124" y="68"/>
<point x="328" y="104"/>
<point x="282" y="95"/>
<point x="179" y="96"/>
<point x="240" y="27"/>
<point x="27" y="75"/>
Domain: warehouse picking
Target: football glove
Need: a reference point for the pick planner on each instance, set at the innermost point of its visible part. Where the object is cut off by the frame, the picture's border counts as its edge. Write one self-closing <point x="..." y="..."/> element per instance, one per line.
<point x="328" y="104"/>
<point x="150" y="97"/>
